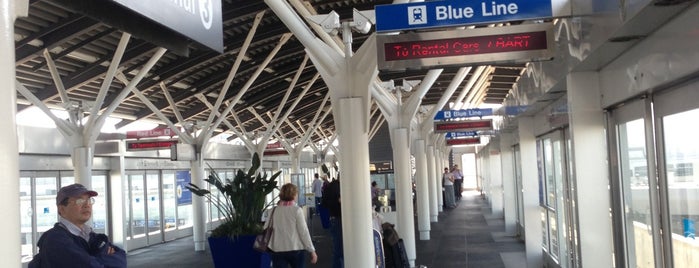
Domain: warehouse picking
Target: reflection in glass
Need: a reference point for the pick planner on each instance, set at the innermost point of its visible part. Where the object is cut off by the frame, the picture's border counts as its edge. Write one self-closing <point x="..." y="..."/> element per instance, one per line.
<point x="634" y="176"/>
<point x="137" y="211"/>
<point x="25" y="217"/>
<point x="681" y="159"/>
<point x="99" y="209"/>
<point x="153" y="205"/>
<point x="169" y="201"/>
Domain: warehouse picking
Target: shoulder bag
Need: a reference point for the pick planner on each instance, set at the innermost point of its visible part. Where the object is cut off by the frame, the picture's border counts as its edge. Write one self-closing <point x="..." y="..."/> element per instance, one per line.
<point x="262" y="240"/>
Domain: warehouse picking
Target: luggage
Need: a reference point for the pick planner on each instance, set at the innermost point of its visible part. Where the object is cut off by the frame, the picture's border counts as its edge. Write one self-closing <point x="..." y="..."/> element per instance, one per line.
<point x="394" y="249"/>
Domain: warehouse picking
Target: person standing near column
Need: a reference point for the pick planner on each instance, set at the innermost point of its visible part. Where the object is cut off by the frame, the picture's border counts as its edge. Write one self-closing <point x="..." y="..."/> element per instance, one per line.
<point x="448" y="181"/>
<point x="458" y="181"/>
<point x="317" y="191"/>
<point x="71" y="242"/>
<point x="331" y="201"/>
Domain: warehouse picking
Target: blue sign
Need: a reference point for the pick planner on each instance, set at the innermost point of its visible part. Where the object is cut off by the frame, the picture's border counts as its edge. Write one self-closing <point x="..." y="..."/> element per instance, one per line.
<point x="515" y="110"/>
<point x="441" y="115"/>
<point x="182" y="179"/>
<point x="452" y="135"/>
<point x="688" y="227"/>
<point x="452" y="13"/>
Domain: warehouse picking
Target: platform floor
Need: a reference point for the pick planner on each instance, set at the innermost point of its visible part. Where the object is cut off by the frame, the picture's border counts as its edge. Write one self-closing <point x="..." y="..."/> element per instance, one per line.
<point x="467" y="236"/>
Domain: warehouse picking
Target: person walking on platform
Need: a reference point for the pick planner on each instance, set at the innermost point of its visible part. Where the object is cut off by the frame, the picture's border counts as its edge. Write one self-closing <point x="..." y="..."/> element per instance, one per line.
<point x="317" y="191"/>
<point x="290" y="237"/>
<point x="331" y="201"/>
<point x="71" y="242"/>
<point x="448" y="181"/>
<point x="458" y="181"/>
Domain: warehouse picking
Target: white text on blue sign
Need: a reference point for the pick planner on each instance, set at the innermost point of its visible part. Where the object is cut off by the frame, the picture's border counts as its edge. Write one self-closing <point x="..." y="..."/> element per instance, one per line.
<point x="463" y="113"/>
<point x="453" y="13"/>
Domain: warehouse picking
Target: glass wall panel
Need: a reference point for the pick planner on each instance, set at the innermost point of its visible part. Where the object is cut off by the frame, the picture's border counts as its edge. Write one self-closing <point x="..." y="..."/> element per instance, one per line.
<point x="99" y="209"/>
<point x="45" y="211"/>
<point x="169" y="201"/>
<point x="636" y="193"/>
<point x="153" y="206"/>
<point x="25" y="218"/>
<point x="137" y="204"/>
<point x="682" y="173"/>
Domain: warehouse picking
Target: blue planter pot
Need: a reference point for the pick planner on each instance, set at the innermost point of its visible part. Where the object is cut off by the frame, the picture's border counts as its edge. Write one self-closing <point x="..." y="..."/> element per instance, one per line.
<point x="229" y="253"/>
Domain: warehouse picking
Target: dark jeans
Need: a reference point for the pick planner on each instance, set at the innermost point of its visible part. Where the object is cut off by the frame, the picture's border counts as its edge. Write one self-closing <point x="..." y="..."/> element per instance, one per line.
<point x="295" y="259"/>
<point x="336" y="233"/>
<point x="457" y="188"/>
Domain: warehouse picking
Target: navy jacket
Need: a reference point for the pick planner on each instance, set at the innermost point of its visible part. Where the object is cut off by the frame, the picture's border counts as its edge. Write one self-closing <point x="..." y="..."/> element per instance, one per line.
<point x="59" y="248"/>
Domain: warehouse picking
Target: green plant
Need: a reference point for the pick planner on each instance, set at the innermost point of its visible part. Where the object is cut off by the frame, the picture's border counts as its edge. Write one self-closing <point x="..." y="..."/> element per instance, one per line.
<point x="241" y="201"/>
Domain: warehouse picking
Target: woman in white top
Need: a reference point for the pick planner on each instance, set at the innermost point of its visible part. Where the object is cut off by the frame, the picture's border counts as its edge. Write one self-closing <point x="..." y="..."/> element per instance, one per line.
<point x="290" y="237"/>
<point x="448" y="182"/>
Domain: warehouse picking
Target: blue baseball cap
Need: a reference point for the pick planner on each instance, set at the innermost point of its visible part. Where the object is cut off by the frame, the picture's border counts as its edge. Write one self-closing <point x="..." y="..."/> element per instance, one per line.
<point x="73" y="190"/>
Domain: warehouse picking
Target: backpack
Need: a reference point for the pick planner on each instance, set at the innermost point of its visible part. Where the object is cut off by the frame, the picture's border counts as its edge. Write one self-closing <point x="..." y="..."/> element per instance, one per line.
<point x="396" y="256"/>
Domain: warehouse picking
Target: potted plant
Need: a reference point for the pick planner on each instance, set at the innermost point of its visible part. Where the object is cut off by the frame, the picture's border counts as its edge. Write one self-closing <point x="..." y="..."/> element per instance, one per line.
<point x="241" y="201"/>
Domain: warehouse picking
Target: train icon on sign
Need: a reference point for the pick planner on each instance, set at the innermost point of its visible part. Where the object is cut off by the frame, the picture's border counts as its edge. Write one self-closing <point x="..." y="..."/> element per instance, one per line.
<point x="417" y="15"/>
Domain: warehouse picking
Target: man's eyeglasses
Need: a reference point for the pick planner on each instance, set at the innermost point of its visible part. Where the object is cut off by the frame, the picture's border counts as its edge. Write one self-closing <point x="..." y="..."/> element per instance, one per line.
<point x="82" y="201"/>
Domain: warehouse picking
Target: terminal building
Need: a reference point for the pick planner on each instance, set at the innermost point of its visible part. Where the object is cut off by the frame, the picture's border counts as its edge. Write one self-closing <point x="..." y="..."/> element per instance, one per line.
<point x="574" y="120"/>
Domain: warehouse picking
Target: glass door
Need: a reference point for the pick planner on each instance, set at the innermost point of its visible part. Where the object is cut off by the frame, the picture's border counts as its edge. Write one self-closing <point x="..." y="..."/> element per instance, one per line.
<point x="678" y="168"/>
<point x="559" y="227"/>
<point x="154" y="224"/>
<point x="634" y="187"/>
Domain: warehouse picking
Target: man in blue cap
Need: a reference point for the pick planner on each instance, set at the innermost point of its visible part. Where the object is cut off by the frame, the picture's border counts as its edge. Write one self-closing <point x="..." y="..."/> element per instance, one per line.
<point x="71" y="242"/>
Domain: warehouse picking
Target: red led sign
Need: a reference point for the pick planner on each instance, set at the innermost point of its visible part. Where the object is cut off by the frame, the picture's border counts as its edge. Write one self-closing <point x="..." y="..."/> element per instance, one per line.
<point x="492" y="45"/>
<point x="467" y="141"/>
<point x="149" y="145"/>
<point x="459" y="126"/>
<point x="465" y="46"/>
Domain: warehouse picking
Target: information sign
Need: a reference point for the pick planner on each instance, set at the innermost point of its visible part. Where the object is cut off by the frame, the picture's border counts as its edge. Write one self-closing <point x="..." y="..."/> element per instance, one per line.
<point x="441" y="115"/>
<point x="451" y="13"/>
<point x="510" y="44"/>
<point x="457" y="126"/>
<point x="184" y="196"/>
<point x="452" y="135"/>
<point x="157" y="132"/>
<point x="466" y="141"/>
<point x="149" y="145"/>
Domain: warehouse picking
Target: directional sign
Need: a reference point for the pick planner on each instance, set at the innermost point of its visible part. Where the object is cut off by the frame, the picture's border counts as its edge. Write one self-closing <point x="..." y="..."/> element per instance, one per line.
<point x="456" y="126"/>
<point x="452" y="13"/>
<point x="441" y="115"/>
<point x="467" y="141"/>
<point x="451" y="135"/>
<point x="510" y="44"/>
<point x="156" y="132"/>
<point x="149" y="145"/>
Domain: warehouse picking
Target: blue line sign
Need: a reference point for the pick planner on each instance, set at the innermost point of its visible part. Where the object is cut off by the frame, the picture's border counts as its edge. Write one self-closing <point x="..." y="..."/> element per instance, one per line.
<point x="452" y="135"/>
<point x="449" y="114"/>
<point x="450" y="13"/>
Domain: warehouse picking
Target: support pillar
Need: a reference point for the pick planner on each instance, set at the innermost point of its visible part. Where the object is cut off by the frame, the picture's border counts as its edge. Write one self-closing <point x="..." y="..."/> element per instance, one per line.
<point x="530" y="192"/>
<point x="9" y="150"/>
<point x="117" y="180"/>
<point x="82" y="163"/>
<point x="589" y="143"/>
<point x="423" y="205"/>
<point x="432" y="184"/>
<point x="495" y="177"/>
<point x="404" y="198"/>
<point x="198" y="205"/>
<point x="354" y="180"/>
<point x="509" y="191"/>
<point x="439" y="169"/>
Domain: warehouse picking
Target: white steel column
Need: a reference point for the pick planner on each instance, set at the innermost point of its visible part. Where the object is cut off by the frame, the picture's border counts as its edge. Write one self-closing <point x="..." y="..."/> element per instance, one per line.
<point x="508" y="183"/>
<point x="530" y="192"/>
<point x="439" y="169"/>
<point x="82" y="163"/>
<point x="198" y="208"/>
<point x="589" y="153"/>
<point x="495" y="178"/>
<point x="431" y="181"/>
<point x="117" y="180"/>
<point x="9" y="152"/>
<point x="354" y="180"/>
<point x="423" y="206"/>
<point x="404" y="199"/>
